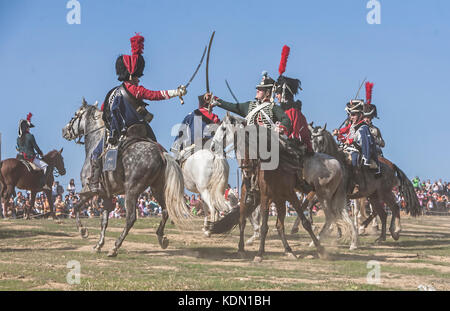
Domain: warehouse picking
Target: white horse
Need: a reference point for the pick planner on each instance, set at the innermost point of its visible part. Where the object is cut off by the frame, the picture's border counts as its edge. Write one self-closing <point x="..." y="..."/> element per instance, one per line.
<point x="206" y="173"/>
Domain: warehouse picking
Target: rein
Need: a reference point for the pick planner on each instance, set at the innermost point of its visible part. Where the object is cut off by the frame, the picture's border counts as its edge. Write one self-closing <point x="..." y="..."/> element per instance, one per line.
<point x="72" y="132"/>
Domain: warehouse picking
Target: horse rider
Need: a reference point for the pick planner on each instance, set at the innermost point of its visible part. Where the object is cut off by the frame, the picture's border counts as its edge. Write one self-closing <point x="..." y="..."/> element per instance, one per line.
<point x="285" y="91"/>
<point x="124" y="107"/>
<point x="196" y="127"/>
<point x="370" y="112"/>
<point x="261" y="111"/>
<point x="359" y="144"/>
<point x="28" y="150"/>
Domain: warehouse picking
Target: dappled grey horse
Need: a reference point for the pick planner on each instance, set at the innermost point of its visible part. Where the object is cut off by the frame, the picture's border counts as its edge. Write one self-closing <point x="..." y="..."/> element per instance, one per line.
<point x="141" y="165"/>
<point x="377" y="190"/>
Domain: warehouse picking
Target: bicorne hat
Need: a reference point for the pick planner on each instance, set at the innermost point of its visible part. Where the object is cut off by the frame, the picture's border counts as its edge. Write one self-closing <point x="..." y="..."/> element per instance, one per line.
<point x="25" y="124"/>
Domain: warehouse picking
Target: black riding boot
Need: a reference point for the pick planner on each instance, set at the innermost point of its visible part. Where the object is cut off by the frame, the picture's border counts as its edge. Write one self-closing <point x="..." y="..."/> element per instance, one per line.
<point x="94" y="179"/>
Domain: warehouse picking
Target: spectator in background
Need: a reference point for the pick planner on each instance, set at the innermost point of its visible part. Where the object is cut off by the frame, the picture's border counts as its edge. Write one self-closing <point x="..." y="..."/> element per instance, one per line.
<point x="60" y="207"/>
<point x="416" y="183"/>
<point x="71" y="187"/>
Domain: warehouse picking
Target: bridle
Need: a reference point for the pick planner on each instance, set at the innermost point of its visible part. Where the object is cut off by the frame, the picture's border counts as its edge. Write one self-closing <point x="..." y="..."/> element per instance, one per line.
<point x="78" y="117"/>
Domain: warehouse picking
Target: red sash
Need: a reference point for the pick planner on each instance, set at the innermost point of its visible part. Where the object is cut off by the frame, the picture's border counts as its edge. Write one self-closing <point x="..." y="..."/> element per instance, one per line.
<point x="26" y="157"/>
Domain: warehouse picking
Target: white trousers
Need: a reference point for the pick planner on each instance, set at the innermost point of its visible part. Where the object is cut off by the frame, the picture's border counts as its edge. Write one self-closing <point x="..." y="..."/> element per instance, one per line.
<point x="41" y="164"/>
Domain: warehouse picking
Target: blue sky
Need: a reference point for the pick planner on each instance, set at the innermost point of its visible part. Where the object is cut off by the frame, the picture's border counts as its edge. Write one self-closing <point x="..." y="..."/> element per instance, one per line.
<point x="48" y="65"/>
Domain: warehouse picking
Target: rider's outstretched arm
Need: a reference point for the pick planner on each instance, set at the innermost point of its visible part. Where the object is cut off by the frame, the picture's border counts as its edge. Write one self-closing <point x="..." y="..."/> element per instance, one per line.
<point x="141" y="92"/>
<point x="239" y="108"/>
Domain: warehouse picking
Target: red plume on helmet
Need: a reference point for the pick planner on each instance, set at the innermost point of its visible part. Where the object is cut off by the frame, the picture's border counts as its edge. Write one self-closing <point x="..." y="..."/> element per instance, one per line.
<point x="137" y="44"/>
<point x="369" y="87"/>
<point x="283" y="61"/>
<point x="29" y="115"/>
<point x="137" y="48"/>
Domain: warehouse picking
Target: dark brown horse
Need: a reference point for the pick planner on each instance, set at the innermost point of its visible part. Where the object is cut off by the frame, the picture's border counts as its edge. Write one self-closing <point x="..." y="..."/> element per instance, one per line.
<point x="272" y="186"/>
<point x="13" y="173"/>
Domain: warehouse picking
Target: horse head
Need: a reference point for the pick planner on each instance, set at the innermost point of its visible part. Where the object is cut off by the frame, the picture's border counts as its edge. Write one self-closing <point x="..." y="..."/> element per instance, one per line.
<point x="322" y="140"/>
<point x="79" y="125"/>
<point x="318" y="138"/>
<point x="55" y="159"/>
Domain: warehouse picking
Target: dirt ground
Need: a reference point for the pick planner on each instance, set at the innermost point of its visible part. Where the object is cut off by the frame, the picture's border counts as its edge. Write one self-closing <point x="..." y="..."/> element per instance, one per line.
<point x="34" y="256"/>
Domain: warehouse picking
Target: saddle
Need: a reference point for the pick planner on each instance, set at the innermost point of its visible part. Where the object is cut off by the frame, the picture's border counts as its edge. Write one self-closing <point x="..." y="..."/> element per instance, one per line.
<point x="31" y="167"/>
<point x="292" y="152"/>
<point x="135" y="133"/>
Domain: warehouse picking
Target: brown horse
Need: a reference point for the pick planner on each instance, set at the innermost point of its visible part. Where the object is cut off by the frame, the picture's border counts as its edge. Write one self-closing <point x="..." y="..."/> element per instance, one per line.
<point x="272" y="186"/>
<point x="13" y="173"/>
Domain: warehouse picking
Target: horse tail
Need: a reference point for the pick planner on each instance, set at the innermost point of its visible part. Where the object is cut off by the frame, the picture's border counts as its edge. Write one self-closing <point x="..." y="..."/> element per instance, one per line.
<point x="174" y="194"/>
<point x="218" y="183"/>
<point x="343" y="220"/>
<point x="338" y="208"/>
<point x="409" y="194"/>
<point x="231" y="220"/>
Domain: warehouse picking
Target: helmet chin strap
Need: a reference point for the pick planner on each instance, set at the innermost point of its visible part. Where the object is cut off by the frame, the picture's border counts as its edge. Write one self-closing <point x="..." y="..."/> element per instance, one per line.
<point x="283" y="94"/>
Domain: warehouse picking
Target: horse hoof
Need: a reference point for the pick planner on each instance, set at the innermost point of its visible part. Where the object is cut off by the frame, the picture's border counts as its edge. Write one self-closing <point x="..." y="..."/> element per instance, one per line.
<point x="84" y="233"/>
<point x="249" y="242"/>
<point x="112" y="253"/>
<point x="291" y="256"/>
<point x="353" y="247"/>
<point x="380" y="240"/>
<point x="395" y="235"/>
<point x="96" y="249"/>
<point x="294" y="230"/>
<point x="257" y="259"/>
<point x="322" y="253"/>
<point x="207" y="233"/>
<point x="164" y="242"/>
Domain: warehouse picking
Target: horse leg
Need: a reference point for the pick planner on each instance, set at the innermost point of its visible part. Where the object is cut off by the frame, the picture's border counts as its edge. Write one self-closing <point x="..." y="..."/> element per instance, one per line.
<point x="395" y="226"/>
<point x="162" y="240"/>
<point x="107" y="208"/>
<point x="379" y="209"/>
<point x="51" y="205"/>
<point x="308" y="227"/>
<point x="307" y="203"/>
<point x="28" y="210"/>
<point x="207" y="206"/>
<point x="131" y="197"/>
<point x="281" y="214"/>
<point x="326" y="228"/>
<point x="264" y="207"/>
<point x="255" y="219"/>
<point x="242" y="221"/>
<point x="76" y="209"/>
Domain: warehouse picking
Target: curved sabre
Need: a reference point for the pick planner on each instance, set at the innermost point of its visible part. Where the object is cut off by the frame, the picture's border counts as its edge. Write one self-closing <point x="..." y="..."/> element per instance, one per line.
<point x="207" y="67"/>
<point x="198" y="67"/>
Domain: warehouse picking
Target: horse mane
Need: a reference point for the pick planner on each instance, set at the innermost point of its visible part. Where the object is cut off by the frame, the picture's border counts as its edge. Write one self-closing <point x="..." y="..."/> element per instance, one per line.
<point x="51" y="153"/>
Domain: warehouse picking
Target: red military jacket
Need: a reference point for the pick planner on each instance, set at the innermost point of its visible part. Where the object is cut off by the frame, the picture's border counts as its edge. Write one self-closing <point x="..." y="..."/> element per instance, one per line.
<point x="300" y="128"/>
<point x="141" y="92"/>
